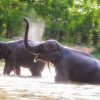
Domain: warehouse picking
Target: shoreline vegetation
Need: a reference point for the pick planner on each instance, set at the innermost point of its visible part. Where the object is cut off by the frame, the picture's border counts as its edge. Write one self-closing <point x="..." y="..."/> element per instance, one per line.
<point x="73" y="21"/>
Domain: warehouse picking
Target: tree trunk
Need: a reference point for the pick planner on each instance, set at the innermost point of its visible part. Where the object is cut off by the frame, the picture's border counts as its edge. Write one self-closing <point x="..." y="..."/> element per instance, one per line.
<point x="8" y="33"/>
<point x="61" y="36"/>
<point x="75" y="38"/>
<point x="1" y="24"/>
<point x="84" y="38"/>
<point x="95" y="38"/>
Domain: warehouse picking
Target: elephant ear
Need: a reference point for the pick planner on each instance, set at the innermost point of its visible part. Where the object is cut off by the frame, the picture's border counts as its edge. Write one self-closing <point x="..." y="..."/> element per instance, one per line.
<point x="4" y="50"/>
<point x="8" y="51"/>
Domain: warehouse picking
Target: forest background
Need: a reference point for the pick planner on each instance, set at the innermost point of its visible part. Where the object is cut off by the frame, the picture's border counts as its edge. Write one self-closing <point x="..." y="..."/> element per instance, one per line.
<point x="68" y="21"/>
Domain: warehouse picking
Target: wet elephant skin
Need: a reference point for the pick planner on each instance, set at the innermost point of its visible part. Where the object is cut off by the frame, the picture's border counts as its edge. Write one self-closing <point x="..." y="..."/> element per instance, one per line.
<point x="70" y="64"/>
<point x="16" y="56"/>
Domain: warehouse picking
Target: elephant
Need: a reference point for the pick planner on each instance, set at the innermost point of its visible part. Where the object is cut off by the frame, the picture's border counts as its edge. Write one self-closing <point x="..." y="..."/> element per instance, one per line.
<point x="16" y="55"/>
<point x="71" y="65"/>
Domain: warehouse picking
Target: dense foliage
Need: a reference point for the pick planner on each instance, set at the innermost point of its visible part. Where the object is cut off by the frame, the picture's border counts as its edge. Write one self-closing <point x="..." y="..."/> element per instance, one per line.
<point x="75" y="21"/>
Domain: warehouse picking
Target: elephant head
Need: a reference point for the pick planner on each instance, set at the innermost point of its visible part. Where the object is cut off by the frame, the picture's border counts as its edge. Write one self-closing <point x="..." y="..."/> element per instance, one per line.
<point x="47" y="50"/>
<point x="5" y="51"/>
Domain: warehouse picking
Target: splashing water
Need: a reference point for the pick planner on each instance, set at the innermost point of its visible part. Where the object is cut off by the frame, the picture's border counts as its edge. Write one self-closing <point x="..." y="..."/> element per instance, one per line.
<point x="36" y="30"/>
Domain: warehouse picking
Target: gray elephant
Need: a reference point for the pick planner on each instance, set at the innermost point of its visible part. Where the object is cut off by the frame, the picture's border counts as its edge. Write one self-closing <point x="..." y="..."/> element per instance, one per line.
<point x="70" y="64"/>
<point x="15" y="55"/>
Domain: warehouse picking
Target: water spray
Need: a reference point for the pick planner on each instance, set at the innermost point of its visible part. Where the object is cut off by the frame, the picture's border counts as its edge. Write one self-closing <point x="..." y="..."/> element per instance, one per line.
<point x="36" y="30"/>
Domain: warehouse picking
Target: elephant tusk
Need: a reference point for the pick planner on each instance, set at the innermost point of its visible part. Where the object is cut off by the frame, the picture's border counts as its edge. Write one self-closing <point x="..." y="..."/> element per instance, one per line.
<point x="35" y="60"/>
<point x="49" y="68"/>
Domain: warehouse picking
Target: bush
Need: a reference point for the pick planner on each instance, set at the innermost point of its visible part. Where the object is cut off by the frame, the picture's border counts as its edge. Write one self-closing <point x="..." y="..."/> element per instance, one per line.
<point x="4" y="39"/>
<point x="97" y="48"/>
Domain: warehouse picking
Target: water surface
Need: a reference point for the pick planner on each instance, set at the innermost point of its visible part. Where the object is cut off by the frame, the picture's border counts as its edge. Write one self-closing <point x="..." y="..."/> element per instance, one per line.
<point x="36" y="88"/>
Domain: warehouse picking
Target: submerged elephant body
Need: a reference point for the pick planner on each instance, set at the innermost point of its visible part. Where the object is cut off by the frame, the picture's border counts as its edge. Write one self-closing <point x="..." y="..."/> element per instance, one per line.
<point x="15" y="55"/>
<point x="70" y="64"/>
<point x="77" y="66"/>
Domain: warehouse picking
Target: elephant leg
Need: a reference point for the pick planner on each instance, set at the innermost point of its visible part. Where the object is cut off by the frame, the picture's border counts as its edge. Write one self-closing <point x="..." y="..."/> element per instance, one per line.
<point x="37" y="68"/>
<point x="8" y="69"/>
<point x="34" y="71"/>
<point x="17" y="70"/>
<point x="62" y="74"/>
<point x="59" y="78"/>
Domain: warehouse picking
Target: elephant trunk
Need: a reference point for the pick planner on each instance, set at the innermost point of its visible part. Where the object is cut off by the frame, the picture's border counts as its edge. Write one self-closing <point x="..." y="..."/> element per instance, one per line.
<point x="28" y="47"/>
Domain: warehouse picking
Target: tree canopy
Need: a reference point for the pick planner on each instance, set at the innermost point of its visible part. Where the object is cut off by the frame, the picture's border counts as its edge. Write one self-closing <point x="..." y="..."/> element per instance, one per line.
<point x="75" y="21"/>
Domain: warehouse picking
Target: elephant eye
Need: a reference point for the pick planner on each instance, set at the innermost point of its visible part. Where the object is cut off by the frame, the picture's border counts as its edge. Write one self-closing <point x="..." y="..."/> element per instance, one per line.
<point x="41" y="48"/>
<point x="54" y="49"/>
<point x="48" y="48"/>
<point x="45" y="47"/>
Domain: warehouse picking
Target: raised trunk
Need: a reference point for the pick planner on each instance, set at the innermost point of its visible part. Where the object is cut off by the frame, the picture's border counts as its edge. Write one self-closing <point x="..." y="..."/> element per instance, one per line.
<point x="28" y="47"/>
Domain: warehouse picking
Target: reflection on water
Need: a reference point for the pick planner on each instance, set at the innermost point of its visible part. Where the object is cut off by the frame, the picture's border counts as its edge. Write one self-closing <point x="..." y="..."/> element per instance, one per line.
<point x="35" y="88"/>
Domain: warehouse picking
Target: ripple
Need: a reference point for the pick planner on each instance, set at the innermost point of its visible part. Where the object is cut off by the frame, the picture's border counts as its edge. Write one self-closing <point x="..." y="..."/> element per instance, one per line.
<point x="36" y="88"/>
<point x="31" y="88"/>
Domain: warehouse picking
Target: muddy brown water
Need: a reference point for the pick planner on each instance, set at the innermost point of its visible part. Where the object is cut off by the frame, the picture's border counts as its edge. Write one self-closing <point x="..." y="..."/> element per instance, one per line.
<point x="36" y="88"/>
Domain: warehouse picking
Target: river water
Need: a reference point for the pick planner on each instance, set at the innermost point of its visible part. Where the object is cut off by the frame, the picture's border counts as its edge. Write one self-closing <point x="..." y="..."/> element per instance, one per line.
<point x="45" y="88"/>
